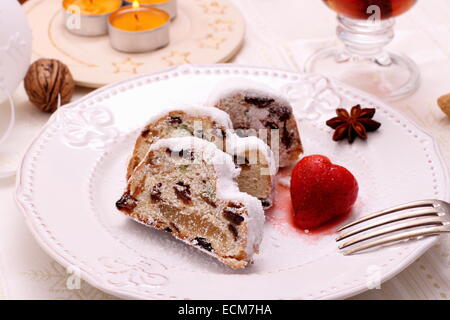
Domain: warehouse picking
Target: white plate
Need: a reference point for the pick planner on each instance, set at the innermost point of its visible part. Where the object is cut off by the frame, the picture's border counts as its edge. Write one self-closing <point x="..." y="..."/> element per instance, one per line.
<point x="74" y="172"/>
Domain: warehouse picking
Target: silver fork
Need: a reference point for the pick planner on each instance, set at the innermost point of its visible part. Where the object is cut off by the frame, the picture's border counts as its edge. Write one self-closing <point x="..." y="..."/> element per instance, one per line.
<point x="431" y="218"/>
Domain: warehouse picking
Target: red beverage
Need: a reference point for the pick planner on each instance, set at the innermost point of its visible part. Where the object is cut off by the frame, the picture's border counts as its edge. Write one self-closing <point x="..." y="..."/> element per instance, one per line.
<point x="361" y="9"/>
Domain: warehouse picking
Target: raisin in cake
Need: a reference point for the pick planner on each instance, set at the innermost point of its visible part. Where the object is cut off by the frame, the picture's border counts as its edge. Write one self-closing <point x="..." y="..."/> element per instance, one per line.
<point x="187" y="186"/>
<point x="251" y="154"/>
<point x="252" y="108"/>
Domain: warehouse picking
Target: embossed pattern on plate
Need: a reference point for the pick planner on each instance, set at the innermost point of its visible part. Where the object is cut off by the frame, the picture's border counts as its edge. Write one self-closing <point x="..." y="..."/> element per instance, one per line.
<point x="81" y="155"/>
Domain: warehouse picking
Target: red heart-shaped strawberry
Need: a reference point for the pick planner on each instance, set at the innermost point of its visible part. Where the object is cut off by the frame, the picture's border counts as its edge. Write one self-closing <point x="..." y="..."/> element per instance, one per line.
<point x="321" y="191"/>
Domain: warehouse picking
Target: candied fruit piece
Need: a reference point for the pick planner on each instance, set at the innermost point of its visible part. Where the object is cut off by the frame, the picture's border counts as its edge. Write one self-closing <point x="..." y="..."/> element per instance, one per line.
<point x="126" y="203"/>
<point x="183" y="192"/>
<point x="233" y="217"/>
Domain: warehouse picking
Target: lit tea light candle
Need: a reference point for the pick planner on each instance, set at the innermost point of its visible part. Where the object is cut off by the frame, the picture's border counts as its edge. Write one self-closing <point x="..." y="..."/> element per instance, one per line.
<point x="88" y="17"/>
<point x="170" y="6"/>
<point x="138" y="29"/>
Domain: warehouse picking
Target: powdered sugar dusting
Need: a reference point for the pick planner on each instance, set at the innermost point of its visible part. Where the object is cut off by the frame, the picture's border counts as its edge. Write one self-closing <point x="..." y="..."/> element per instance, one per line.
<point x="247" y="87"/>
<point x="219" y="116"/>
<point x="285" y="181"/>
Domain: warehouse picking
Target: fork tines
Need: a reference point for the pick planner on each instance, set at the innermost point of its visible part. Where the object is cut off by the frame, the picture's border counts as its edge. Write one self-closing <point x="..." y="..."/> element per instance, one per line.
<point x="428" y="219"/>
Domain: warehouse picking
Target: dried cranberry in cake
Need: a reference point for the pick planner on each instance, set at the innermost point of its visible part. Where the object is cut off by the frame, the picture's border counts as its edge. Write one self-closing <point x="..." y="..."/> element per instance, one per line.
<point x="252" y="109"/>
<point x="126" y="203"/>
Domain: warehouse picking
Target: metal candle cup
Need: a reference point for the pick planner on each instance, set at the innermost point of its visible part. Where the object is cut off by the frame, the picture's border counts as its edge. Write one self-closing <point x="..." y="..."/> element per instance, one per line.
<point x="135" y="30"/>
<point x="170" y="6"/>
<point x="88" y="18"/>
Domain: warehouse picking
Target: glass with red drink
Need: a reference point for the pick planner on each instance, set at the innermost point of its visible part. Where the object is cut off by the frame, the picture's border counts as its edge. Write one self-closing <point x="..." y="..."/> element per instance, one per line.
<point x="365" y="27"/>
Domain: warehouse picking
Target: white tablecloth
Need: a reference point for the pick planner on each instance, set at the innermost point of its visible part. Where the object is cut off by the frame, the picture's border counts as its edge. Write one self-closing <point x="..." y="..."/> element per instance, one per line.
<point x="280" y="33"/>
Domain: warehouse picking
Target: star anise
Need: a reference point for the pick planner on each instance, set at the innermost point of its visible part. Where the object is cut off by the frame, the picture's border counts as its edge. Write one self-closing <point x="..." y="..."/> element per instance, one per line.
<point x="355" y="124"/>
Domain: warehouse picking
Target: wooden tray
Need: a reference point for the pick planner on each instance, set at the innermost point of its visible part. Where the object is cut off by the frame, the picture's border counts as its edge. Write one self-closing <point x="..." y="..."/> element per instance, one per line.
<point x="204" y="32"/>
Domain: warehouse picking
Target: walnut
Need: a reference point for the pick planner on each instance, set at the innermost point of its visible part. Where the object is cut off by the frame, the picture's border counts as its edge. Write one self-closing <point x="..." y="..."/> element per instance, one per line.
<point x="444" y="103"/>
<point x="45" y="81"/>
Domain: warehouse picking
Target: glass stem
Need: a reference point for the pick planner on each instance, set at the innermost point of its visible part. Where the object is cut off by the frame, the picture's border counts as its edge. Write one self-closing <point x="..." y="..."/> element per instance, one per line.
<point x="365" y="39"/>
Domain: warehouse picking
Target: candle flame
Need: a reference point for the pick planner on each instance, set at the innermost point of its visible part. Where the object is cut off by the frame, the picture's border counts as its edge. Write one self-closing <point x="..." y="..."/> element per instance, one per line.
<point x="135" y="4"/>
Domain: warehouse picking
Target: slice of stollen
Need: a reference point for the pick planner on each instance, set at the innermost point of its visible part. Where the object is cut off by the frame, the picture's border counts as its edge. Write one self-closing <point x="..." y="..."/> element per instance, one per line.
<point x="188" y="187"/>
<point x="257" y="110"/>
